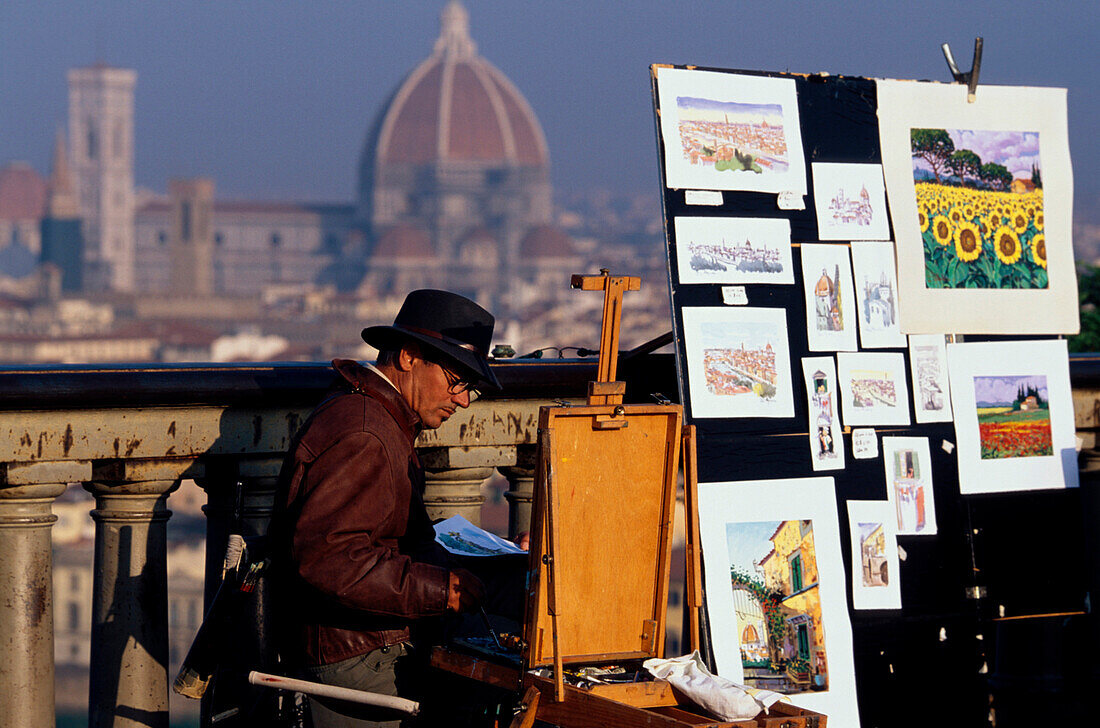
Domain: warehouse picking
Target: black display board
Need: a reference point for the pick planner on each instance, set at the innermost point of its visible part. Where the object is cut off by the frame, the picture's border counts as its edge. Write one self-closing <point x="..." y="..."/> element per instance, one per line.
<point x="953" y="652"/>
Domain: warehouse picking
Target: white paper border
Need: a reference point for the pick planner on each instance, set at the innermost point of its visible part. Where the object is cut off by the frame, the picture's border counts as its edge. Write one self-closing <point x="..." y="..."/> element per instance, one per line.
<point x="735" y="230"/>
<point x="905" y="105"/>
<point x="1013" y="358"/>
<point x="891" y="445"/>
<point x="875" y="257"/>
<point x="889" y="362"/>
<point x="829" y="255"/>
<point x="704" y="404"/>
<point x="886" y="596"/>
<point x="828" y="179"/>
<point x="781" y="500"/>
<point x="826" y="365"/>
<point x="939" y="344"/>
<point x="733" y="87"/>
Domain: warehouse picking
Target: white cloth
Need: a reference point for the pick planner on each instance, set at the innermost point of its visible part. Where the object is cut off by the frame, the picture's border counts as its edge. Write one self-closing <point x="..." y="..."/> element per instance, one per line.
<point x="724" y="698"/>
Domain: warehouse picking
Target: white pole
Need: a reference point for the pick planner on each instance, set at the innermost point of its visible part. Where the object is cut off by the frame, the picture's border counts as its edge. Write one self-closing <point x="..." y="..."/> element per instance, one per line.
<point x="331" y="691"/>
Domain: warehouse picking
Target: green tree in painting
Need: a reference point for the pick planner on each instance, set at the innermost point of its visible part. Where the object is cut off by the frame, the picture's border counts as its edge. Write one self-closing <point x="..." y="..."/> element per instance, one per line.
<point x="996" y="175"/>
<point x="1036" y="177"/>
<point x="935" y="147"/>
<point x="965" y="164"/>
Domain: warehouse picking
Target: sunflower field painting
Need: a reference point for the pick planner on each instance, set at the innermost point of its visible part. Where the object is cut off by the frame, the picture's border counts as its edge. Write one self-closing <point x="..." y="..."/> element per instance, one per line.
<point x="980" y="208"/>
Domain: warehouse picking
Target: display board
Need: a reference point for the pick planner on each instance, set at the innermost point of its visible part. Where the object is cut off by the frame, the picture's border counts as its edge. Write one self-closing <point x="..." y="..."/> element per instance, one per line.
<point x="781" y="225"/>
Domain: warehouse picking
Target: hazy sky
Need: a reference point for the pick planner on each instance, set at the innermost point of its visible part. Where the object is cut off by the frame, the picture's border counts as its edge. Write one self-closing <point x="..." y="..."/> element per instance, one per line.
<point x="273" y="99"/>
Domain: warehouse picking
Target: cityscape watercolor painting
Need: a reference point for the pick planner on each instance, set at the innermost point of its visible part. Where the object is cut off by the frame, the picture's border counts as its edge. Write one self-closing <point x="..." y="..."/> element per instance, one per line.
<point x="738" y="362"/>
<point x="1013" y="416"/>
<point x="733" y="250"/>
<point x="730" y="131"/>
<point x="980" y="208"/>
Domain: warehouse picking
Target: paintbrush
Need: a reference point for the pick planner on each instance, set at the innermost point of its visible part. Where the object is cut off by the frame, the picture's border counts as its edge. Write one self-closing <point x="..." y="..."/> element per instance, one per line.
<point x="489" y="626"/>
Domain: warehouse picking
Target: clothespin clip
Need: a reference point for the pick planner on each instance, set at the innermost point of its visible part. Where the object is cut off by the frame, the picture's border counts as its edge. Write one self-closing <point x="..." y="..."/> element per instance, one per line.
<point x="970" y="78"/>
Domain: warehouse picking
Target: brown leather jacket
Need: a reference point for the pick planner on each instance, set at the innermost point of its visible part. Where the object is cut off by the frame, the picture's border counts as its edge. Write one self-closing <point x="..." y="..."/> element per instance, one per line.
<point x="359" y="556"/>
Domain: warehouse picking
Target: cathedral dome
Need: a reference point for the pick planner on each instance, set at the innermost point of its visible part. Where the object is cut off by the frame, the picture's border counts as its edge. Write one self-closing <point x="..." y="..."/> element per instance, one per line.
<point x="456" y="106"/>
<point x="546" y="241"/>
<point x="403" y="242"/>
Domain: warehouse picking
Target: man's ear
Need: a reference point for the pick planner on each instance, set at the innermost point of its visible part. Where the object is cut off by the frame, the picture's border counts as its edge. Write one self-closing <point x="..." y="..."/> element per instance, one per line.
<point x="408" y="354"/>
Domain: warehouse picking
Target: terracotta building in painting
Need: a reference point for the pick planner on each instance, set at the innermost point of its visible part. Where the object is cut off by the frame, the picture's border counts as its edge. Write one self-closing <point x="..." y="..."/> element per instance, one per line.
<point x="791" y="569"/>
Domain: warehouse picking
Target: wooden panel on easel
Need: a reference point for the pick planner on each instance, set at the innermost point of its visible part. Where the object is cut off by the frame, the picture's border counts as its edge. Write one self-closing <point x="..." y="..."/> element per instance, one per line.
<point x="612" y="494"/>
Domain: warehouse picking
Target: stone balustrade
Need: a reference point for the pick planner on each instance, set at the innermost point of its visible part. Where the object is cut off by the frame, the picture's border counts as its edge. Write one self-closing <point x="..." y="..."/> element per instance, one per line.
<point x="131" y="434"/>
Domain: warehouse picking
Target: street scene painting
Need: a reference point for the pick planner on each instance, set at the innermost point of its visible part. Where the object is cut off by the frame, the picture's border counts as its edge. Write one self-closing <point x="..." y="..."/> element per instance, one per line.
<point x="831" y="312"/>
<point x="823" y="398"/>
<point x="928" y="369"/>
<point x="775" y="590"/>
<point x="774" y="577"/>
<point x="873" y="389"/>
<point x="733" y="250"/>
<point x="1013" y="416"/>
<point x="738" y="362"/>
<point x="874" y="542"/>
<point x="980" y="208"/>
<point x="851" y="202"/>
<point x="908" y="464"/>
<point x="727" y="131"/>
<point x="876" y="294"/>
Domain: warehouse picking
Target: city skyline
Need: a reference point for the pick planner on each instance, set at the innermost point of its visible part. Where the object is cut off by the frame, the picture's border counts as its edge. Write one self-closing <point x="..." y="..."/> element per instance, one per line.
<point x="276" y="104"/>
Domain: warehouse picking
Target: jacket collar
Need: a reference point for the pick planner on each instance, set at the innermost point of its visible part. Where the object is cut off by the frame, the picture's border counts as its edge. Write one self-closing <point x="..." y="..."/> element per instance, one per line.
<point x="361" y="380"/>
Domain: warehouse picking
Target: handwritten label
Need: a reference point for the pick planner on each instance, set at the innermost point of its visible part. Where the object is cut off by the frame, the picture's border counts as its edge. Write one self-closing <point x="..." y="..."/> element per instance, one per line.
<point x="790" y="201"/>
<point x="864" y="443"/>
<point x="703" y="197"/>
<point x="734" y="295"/>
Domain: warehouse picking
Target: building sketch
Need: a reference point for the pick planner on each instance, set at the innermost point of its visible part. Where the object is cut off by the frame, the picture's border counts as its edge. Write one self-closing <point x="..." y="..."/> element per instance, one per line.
<point x="851" y="211"/>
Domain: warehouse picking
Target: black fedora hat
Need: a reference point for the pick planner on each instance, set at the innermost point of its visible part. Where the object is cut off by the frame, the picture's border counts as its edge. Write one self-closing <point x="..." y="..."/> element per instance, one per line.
<point x="446" y="323"/>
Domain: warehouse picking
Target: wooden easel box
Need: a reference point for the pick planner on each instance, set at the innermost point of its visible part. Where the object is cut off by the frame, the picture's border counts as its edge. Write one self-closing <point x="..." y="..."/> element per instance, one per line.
<point x="598" y="570"/>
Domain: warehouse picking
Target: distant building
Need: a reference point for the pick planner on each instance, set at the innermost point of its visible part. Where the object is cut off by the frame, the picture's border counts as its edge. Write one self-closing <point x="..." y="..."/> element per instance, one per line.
<point x="62" y="240"/>
<point x="101" y="144"/>
<point x="23" y="195"/>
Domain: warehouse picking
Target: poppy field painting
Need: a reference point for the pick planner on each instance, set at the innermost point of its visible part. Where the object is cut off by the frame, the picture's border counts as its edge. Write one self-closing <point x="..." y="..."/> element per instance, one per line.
<point x="980" y="208"/>
<point x="1013" y="417"/>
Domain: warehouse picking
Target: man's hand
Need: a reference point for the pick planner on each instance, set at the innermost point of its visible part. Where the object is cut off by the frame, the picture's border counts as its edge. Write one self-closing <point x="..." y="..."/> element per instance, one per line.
<point x="466" y="591"/>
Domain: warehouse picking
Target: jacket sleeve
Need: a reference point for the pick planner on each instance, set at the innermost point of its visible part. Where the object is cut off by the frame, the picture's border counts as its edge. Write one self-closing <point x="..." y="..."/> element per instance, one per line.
<point x="349" y="503"/>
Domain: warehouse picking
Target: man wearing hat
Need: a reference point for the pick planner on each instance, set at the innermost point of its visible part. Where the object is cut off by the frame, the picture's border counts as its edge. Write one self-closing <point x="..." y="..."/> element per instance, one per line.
<point x="359" y="560"/>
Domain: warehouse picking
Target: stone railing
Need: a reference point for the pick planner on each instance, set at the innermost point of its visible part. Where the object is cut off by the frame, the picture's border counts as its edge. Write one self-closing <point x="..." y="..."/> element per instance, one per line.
<point x="130" y="435"/>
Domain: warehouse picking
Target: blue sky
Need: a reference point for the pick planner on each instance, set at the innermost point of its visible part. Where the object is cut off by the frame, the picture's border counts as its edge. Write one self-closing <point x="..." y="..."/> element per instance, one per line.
<point x="274" y="99"/>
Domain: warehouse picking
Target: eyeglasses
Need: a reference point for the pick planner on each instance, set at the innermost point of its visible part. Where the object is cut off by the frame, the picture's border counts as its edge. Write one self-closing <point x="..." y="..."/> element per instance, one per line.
<point x="458" y="385"/>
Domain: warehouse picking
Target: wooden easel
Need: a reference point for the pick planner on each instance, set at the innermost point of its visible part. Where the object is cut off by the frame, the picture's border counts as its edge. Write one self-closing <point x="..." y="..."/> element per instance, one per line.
<point x="601" y="545"/>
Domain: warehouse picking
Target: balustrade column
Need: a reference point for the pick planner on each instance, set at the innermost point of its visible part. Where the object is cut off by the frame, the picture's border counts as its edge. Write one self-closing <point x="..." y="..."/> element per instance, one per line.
<point x="521" y="491"/>
<point x="129" y="676"/>
<point x="26" y="609"/>
<point x="455" y="492"/>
